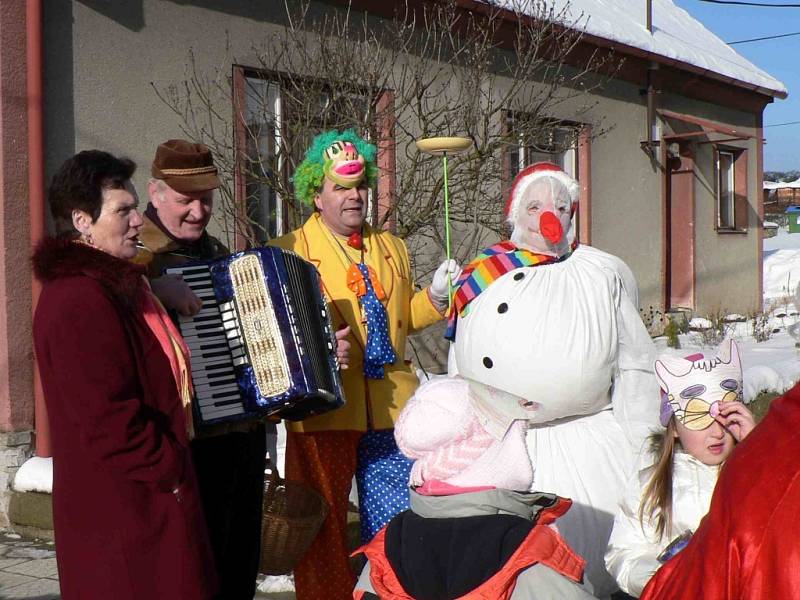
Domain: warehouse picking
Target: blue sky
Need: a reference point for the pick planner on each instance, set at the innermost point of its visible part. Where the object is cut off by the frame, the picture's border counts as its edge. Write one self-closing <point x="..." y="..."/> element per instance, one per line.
<point x="780" y="58"/>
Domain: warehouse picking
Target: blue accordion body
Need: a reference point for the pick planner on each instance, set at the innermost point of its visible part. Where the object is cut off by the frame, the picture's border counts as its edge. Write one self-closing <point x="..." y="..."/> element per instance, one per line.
<point x="301" y="326"/>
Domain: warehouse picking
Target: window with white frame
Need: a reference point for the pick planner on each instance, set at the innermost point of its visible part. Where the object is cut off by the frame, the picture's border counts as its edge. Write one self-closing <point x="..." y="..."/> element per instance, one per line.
<point x="555" y="143"/>
<point x="277" y="127"/>
<point x="262" y="119"/>
<point x="726" y="189"/>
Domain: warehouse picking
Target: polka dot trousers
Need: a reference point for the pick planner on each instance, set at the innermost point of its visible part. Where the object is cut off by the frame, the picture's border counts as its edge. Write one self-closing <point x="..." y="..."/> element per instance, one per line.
<point x="327" y="462"/>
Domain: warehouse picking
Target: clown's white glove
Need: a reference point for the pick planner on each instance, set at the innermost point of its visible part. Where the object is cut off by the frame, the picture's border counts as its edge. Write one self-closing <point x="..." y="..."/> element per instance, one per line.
<point x="440" y="286"/>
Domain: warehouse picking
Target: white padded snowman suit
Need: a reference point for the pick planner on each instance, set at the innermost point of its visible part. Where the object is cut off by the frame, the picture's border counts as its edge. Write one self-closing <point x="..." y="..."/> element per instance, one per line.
<point x="568" y="336"/>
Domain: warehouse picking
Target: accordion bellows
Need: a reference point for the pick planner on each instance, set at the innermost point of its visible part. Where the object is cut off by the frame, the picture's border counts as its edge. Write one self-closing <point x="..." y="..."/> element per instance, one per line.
<point x="263" y="343"/>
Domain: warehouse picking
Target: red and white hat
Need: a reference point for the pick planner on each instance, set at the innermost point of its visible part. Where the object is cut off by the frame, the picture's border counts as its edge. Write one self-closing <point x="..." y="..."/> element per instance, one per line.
<point x="531" y="173"/>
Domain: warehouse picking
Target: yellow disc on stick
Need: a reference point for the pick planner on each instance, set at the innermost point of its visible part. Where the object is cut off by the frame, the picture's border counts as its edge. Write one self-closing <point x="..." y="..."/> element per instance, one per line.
<point x="442" y="145"/>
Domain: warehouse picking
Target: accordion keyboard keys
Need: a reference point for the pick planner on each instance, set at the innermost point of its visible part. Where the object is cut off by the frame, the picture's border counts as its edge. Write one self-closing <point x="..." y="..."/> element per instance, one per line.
<point x="207" y="334"/>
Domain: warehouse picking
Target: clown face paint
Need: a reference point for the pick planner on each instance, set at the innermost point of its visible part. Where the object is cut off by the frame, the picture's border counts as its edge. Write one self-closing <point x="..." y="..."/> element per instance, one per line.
<point x="343" y="164"/>
<point x="693" y="387"/>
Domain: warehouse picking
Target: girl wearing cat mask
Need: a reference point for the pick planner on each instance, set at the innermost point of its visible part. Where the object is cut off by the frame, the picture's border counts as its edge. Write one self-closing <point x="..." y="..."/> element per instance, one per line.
<point x="704" y="419"/>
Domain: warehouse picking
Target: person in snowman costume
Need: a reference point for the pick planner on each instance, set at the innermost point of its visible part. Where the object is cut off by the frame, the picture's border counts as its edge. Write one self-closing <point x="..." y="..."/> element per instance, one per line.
<point x="557" y="324"/>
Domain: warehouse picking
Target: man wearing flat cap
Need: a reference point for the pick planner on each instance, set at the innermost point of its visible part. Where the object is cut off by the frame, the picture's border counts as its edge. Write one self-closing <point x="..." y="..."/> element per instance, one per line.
<point x="229" y="459"/>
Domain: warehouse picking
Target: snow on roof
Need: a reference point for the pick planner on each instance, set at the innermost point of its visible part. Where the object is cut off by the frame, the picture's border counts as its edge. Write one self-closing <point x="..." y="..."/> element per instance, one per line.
<point x="780" y="185"/>
<point x="676" y="35"/>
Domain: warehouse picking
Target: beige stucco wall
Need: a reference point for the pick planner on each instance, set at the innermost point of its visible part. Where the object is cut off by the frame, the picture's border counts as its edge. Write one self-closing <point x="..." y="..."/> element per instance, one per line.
<point x="626" y="190"/>
<point x="726" y="270"/>
<point x="627" y="203"/>
<point x="101" y="58"/>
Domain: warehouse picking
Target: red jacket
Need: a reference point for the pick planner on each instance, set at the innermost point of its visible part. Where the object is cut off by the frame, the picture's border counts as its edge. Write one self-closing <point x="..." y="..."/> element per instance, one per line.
<point x="126" y="511"/>
<point x="746" y="547"/>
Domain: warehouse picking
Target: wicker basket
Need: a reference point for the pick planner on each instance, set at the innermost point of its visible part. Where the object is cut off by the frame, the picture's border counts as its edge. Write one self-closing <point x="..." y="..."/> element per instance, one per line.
<point x="292" y="516"/>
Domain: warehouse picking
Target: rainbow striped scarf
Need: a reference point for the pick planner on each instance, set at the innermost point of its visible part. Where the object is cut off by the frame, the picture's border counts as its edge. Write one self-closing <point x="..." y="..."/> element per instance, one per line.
<point x="484" y="269"/>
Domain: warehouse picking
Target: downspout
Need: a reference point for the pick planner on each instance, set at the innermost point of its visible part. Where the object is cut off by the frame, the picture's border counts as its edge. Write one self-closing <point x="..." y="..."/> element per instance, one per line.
<point x="35" y="100"/>
<point x="650" y="91"/>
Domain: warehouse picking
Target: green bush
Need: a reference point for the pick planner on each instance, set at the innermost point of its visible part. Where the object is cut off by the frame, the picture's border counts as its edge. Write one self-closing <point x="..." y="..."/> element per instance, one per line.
<point x="760" y="404"/>
<point x="671" y="331"/>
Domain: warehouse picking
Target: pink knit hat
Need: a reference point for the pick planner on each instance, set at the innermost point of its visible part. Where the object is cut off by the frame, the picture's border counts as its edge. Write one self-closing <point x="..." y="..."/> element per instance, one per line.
<point x="445" y="436"/>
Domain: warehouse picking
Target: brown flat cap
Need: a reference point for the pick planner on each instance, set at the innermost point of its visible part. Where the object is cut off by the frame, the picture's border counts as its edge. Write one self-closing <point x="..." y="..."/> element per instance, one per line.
<point x="185" y="167"/>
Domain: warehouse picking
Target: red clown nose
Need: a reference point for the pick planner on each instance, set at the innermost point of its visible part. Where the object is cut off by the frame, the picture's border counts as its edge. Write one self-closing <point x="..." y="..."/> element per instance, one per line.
<point x="550" y="227"/>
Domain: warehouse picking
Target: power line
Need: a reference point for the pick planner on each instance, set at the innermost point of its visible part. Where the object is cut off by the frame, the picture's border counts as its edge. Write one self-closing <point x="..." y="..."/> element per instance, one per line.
<point x="782" y="124"/>
<point x="740" y="3"/>
<point x="768" y="37"/>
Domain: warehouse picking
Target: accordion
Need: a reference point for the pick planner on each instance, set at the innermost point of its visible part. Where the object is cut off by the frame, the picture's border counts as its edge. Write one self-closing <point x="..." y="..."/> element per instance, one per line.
<point x="262" y="344"/>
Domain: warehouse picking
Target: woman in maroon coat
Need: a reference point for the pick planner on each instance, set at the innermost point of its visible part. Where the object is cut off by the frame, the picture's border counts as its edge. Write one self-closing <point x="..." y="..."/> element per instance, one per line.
<point x="126" y="511"/>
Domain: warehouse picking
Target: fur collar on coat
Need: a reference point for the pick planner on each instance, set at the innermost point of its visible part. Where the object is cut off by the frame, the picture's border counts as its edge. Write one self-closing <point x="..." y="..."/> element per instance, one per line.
<point x="56" y="258"/>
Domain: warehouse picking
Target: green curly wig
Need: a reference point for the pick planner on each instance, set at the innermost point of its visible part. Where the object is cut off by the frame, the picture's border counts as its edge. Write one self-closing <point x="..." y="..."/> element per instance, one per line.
<point x="308" y="176"/>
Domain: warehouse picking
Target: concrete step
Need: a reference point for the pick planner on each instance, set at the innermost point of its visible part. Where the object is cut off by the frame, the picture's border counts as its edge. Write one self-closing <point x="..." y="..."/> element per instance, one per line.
<point x="31" y="514"/>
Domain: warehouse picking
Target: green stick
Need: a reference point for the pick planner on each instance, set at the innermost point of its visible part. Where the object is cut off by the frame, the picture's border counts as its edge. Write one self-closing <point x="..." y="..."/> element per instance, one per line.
<point x="447" y="231"/>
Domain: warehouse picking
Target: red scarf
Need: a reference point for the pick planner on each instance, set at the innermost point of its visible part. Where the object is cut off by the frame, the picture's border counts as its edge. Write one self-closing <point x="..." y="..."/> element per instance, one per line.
<point x="176" y="350"/>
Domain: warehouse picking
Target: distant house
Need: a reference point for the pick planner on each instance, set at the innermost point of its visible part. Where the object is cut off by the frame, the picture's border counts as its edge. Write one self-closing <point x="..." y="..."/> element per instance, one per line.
<point x="673" y="187"/>
<point x="780" y="195"/>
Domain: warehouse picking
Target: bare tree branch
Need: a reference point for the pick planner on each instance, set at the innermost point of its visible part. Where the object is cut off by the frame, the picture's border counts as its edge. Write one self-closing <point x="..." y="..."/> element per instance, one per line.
<point x="450" y="72"/>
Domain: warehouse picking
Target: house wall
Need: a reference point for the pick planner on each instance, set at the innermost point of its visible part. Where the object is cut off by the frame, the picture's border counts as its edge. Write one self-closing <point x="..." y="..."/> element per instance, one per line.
<point x="727" y="271"/>
<point x="103" y="60"/>
<point x="102" y="57"/>
<point x="626" y="190"/>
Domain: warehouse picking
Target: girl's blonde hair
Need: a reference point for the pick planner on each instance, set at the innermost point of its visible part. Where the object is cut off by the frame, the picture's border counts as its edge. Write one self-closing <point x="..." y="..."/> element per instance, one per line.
<point x="657" y="497"/>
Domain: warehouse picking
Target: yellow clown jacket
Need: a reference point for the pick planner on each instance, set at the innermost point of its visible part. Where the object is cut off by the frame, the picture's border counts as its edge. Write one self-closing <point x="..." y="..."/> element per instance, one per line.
<point x="369" y="403"/>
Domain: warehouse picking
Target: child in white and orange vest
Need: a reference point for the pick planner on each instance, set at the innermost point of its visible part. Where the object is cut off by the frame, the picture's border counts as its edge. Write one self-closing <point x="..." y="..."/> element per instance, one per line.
<point x="473" y="530"/>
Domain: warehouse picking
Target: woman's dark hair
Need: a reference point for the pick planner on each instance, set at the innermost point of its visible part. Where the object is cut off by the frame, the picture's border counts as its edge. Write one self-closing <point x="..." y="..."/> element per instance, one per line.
<point x="79" y="184"/>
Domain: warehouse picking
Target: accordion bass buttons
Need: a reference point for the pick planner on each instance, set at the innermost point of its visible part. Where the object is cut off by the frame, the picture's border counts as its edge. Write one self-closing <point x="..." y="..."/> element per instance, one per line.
<point x="259" y="326"/>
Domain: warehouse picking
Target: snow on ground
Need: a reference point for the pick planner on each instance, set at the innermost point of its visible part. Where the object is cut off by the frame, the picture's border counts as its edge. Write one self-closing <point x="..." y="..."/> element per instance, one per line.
<point x="781" y="265"/>
<point x="35" y="475"/>
<point x="273" y="584"/>
<point x="700" y="323"/>
<point x="772" y="365"/>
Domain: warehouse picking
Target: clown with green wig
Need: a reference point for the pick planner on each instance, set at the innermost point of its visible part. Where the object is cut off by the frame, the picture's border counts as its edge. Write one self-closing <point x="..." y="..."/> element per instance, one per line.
<point x="367" y="278"/>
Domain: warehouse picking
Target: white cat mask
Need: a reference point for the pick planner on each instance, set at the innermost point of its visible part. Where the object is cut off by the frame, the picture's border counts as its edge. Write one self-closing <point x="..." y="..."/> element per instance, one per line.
<point x="693" y="387"/>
